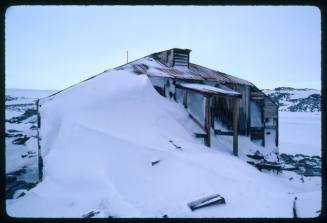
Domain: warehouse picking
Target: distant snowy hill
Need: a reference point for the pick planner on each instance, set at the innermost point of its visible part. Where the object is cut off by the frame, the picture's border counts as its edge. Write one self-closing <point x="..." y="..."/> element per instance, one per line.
<point x="296" y="100"/>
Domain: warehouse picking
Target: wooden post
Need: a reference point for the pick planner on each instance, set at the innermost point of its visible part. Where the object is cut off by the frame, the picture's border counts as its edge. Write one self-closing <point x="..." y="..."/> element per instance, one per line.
<point x="40" y="160"/>
<point x="127" y="56"/>
<point x="235" y="126"/>
<point x="185" y="98"/>
<point x="207" y="121"/>
<point x="277" y="129"/>
<point x="263" y="122"/>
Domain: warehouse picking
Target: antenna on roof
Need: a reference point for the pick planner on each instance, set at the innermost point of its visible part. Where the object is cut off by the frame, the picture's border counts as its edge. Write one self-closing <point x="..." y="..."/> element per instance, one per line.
<point x="127" y="55"/>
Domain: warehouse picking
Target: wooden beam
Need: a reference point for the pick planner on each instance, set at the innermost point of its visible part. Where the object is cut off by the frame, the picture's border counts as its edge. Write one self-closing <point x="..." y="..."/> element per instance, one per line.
<point x="185" y="98"/>
<point x="264" y="124"/>
<point x="277" y="129"/>
<point x="200" y="135"/>
<point x="40" y="160"/>
<point x="235" y="127"/>
<point x="270" y="127"/>
<point x="206" y="201"/>
<point x="207" y="125"/>
<point x="219" y="132"/>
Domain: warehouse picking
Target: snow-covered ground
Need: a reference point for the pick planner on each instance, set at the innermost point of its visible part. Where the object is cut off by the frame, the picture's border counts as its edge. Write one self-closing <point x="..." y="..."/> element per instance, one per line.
<point x="101" y="141"/>
<point x="19" y="101"/>
<point x="300" y="132"/>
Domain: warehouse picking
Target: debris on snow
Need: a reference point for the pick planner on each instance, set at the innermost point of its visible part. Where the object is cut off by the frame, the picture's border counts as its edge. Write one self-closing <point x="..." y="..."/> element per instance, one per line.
<point x="206" y="201"/>
<point x="91" y="214"/>
<point x="155" y="162"/>
<point x="176" y="146"/>
<point x="294" y="208"/>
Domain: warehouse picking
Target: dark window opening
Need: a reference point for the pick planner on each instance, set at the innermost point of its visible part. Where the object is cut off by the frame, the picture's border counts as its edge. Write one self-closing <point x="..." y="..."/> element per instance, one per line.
<point x="160" y="90"/>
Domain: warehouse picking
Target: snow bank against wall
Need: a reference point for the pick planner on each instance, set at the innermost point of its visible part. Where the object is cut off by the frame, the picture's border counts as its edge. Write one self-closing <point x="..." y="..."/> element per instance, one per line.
<point x="99" y="140"/>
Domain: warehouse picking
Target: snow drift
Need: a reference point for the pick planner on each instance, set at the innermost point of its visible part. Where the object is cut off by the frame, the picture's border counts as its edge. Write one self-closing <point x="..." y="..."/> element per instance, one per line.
<point x="99" y="139"/>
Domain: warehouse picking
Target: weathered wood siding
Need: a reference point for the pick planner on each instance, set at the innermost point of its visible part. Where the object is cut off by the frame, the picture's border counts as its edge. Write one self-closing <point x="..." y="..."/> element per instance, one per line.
<point x="244" y="107"/>
<point x="222" y="107"/>
<point x="270" y="110"/>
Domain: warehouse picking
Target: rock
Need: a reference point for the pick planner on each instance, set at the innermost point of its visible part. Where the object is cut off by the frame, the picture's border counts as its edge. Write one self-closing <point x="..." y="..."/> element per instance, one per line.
<point x="33" y="127"/>
<point x="10" y="98"/>
<point x="90" y="214"/>
<point x="255" y="156"/>
<point x="20" y="140"/>
<point x="286" y="158"/>
<point x="10" y="179"/>
<point x="17" y="172"/>
<point x="19" y="193"/>
<point x="11" y="188"/>
<point x="18" y="119"/>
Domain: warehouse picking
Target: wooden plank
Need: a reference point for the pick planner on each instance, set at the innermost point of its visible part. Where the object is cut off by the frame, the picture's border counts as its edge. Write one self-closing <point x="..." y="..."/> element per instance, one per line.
<point x="206" y="201"/>
<point x="249" y="113"/>
<point x="235" y="127"/>
<point x="200" y="135"/>
<point x="270" y="127"/>
<point x="277" y="131"/>
<point x="257" y="94"/>
<point x="207" y="120"/>
<point x="185" y="98"/>
<point x="219" y="132"/>
<point x="264" y="125"/>
<point x="155" y="162"/>
<point x="257" y="98"/>
<point x="40" y="160"/>
<point x="294" y="208"/>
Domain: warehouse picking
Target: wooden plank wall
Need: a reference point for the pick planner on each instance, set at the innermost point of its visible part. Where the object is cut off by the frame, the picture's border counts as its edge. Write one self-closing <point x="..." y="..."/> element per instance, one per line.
<point x="222" y="110"/>
<point x="244" y="107"/>
<point x="270" y="109"/>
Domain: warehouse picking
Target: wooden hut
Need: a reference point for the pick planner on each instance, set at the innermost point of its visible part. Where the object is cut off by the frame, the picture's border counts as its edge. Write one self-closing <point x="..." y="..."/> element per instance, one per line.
<point x="212" y="96"/>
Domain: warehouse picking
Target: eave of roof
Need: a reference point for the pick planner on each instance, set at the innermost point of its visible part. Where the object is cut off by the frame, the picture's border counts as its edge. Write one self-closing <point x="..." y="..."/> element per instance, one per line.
<point x="208" y="90"/>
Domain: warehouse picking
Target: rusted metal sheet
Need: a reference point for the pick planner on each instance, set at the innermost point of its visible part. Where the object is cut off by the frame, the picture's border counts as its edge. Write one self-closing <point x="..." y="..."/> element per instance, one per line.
<point x="176" y="73"/>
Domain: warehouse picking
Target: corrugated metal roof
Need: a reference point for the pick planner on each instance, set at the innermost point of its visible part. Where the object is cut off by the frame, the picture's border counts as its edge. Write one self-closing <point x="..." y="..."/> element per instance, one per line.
<point x="197" y="72"/>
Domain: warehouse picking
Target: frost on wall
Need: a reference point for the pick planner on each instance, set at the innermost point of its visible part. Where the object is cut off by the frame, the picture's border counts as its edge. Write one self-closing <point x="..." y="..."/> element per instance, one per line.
<point x="256" y="115"/>
<point x="179" y="95"/>
<point x="193" y="102"/>
<point x="170" y="89"/>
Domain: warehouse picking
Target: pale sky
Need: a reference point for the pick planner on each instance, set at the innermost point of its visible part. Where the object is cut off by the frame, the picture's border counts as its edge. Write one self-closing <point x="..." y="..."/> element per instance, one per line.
<point x="53" y="47"/>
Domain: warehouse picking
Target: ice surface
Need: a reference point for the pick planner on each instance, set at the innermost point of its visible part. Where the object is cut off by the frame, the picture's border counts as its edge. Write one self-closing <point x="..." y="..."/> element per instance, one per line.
<point x="300" y="132"/>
